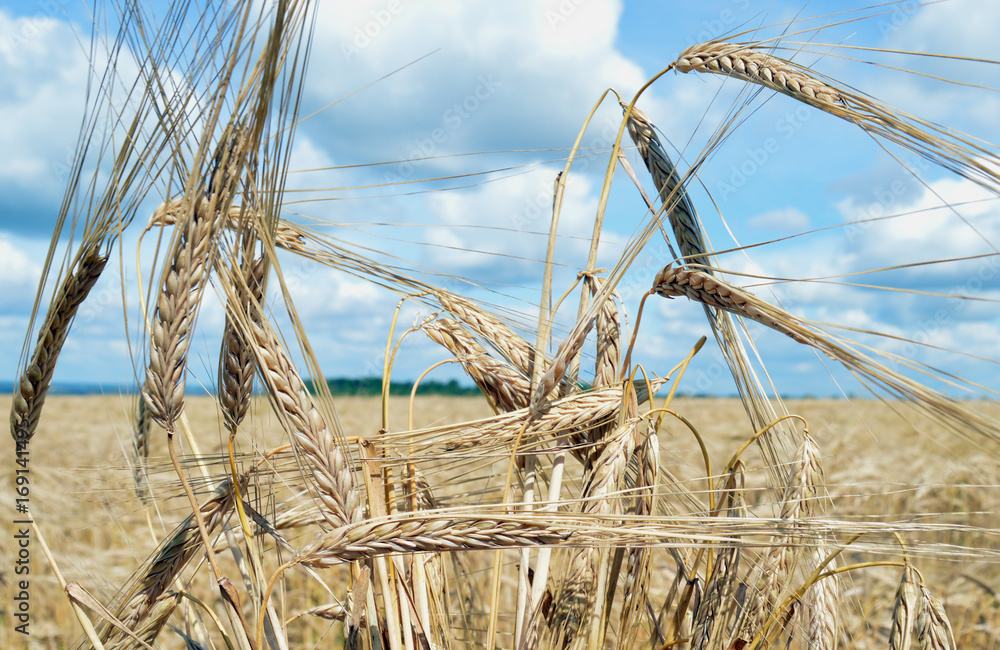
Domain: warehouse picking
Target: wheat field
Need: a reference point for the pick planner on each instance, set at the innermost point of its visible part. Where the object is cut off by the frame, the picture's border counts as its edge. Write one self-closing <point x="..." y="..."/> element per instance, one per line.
<point x="585" y="500"/>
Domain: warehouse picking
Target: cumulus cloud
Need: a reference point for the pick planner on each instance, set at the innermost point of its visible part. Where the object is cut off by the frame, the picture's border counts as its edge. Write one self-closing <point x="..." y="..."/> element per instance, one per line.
<point x="45" y="74"/>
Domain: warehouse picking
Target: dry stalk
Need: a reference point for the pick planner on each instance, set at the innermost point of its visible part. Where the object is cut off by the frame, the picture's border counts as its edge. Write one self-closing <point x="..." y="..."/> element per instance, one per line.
<point x="37" y="376"/>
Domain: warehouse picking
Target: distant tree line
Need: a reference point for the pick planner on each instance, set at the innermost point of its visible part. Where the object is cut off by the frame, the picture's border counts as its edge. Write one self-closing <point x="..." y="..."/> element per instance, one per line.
<point x="373" y="386"/>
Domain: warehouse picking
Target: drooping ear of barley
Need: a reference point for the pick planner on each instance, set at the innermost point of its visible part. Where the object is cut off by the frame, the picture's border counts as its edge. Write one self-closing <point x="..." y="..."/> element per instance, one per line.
<point x="713" y="291"/>
<point x="504" y="388"/>
<point x="637" y="560"/>
<point x="406" y="534"/>
<point x="29" y="396"/>
<point x="191" y="258"/>
<point x="680" y="211"/>
<point x="687" y="229"/>
<point x="708" y="620"/>
<point x="511" y="346"/>
<point x="331" y="476"/>
<point x="580" y="592"/>
<point x="823" y="604"/>
<point x="935" y="143"/>
<point x="799" y="499"/>
<point x="607" y="365"/>
<point x="180" y="547"/>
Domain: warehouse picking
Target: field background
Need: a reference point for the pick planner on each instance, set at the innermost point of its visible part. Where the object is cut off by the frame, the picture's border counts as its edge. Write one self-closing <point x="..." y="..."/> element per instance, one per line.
<point x="879" y="467"/>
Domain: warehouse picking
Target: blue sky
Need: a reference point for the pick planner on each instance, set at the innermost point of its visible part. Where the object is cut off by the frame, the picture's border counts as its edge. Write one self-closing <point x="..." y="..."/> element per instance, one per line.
<point x="512" y="83"/>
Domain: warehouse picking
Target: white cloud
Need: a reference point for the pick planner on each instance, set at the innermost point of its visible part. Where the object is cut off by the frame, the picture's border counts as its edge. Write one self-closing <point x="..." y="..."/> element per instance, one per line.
<point x="45" y="75"/>
<point x="19" y="269"/>
<point x="783" y="219"/>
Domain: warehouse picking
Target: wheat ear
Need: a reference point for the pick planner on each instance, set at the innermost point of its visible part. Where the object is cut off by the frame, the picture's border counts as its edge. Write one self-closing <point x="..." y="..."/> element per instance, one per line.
<point x="423" y="533"/>
<point x="29" y="397"/>
<point x="140" y="448"/>
<point x="933" y="627"/>
<point x="712" y="291"/>
<point x="823" y="601"/>
<point x="512" y="347"/>
<point x="607" y="365"/>
<point x="637" y="560"/>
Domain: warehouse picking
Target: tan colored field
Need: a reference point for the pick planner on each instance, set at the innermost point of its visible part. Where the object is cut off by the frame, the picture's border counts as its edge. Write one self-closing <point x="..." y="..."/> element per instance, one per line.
<point x="878" y="468"/>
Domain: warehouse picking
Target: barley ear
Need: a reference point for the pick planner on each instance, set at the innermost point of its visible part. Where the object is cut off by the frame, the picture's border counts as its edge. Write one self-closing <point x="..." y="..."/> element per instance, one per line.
<point x="29" y="397"/>
<point x="904" y="611"/>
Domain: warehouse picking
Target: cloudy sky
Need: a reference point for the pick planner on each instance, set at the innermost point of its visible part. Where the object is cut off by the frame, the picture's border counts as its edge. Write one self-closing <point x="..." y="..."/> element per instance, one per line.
<point x="494" y="94"/>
